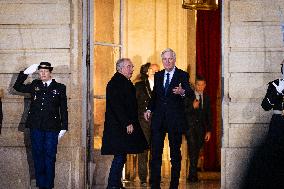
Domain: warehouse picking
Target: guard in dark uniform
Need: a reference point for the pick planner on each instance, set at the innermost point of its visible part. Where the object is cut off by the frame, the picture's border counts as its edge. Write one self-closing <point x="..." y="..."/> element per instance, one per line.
<point x="47" y="119"/>
<point x="266" y="168"/>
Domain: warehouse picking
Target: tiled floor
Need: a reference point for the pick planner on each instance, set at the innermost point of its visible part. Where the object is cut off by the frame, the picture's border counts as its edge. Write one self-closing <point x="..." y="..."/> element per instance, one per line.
<point x="207" y="181"/>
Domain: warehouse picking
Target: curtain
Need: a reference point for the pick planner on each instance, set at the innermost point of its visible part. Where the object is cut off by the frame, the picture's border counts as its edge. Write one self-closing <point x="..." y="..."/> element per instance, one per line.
<point x="208" y="64"/>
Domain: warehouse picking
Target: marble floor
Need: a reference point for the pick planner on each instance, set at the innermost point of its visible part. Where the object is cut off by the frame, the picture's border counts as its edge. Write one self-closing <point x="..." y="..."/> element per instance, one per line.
<point x="208" y="180"/>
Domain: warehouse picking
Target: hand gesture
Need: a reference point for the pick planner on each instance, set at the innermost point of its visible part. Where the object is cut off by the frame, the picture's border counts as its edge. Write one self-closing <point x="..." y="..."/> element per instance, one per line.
<point x="178" y="90"/>
<point x="207" y="136"/>
<point x="147" y="115"/>
<point x="279" y="87"/>
<point x="195" y="104"/>
<point x="31" y="69"/>
<point x="129" y="129"/>
<point x="61" y="133"/>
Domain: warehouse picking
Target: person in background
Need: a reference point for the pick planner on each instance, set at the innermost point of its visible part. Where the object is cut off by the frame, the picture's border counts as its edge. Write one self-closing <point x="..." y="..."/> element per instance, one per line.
<point x="143" y="94"/>
<point x="47" y="119"/>
<point x="166" y="111"/>
<point x="198" y="115"/>
<point x="122" y="133"/>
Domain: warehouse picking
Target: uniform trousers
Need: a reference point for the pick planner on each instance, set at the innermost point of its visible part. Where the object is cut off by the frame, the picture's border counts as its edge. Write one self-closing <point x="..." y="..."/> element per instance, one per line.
<point x="44" y="149"/>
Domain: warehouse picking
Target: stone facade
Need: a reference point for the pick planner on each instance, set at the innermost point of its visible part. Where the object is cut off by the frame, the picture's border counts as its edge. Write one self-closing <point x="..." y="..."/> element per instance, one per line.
<point x="252" y="52"/>
<point x="32" y="31"/>
<point x="51" y="30"/>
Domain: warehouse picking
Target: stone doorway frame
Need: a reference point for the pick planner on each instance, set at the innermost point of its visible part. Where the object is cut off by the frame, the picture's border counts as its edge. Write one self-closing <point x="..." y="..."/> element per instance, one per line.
<point x="88" y="60"/>
<point x="87" y="102"/>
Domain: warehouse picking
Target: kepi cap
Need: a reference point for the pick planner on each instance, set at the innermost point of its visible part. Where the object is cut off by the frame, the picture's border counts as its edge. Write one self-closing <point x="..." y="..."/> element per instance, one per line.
<point x="45" y="65"/>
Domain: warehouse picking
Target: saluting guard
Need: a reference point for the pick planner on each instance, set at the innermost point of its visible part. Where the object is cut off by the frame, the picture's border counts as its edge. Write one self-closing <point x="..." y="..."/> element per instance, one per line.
<point x="47" y="119"/>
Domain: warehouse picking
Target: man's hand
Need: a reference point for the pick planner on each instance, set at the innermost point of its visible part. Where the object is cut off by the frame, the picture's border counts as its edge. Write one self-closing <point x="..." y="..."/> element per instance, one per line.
<point x="147" y="115"/>
<point x="207" y="136"/>
<point x="178" y="90"/>
<point x="31" y="69"/>
<point x="61" y="133"/>
<point x="279" y="87"/>
<point x="129" y="129"/>
<point x="195" y="104"/>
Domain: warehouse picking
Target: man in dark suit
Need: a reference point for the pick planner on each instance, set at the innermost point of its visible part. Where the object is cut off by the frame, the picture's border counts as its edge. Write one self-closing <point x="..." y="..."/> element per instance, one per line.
<point x="47" y="119"/>
<point x="166" y="107"/>
<point x="198" y="115"/>
<point x="122" y="133"/>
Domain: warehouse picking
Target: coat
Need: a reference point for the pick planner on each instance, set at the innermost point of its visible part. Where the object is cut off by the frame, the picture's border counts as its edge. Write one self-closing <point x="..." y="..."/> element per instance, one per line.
<point x="121" y="111"/>
<point x="48" y="108"/>
<point x="143" y="95"/>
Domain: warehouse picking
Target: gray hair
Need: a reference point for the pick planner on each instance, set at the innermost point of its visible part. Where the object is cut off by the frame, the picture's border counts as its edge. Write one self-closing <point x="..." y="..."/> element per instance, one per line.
<point x="169" y="50"/>
<point x="120" y="63"/>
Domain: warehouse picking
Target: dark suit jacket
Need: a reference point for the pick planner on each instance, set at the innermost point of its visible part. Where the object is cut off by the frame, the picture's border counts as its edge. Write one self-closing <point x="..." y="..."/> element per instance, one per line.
<point x="121" y="111"/>
<point x="198" y="117"/>
<point x="48" y="109"/>
<point x="168" y="110"/>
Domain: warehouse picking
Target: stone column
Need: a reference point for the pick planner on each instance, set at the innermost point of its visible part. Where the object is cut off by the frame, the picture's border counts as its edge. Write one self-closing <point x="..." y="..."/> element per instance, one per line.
<point x="252" y="53"/>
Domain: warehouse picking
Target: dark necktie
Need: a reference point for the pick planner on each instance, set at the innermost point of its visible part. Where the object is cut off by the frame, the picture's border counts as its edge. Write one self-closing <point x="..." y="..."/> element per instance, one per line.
<point x="167" y="83"/>
<point x="45" y="85"/>
<point x="200" y="101"/>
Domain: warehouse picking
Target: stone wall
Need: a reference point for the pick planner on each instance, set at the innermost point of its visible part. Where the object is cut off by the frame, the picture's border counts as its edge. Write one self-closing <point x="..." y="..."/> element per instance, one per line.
<point x="252" y="53"/>
<point x="32" y="31"/>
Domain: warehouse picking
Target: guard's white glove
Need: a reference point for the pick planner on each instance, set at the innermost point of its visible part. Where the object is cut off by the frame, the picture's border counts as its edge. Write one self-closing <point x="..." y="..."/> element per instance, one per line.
<point x="31" y="69"/>
<point x="279" y="87"/>
<point x="61" y="133"/>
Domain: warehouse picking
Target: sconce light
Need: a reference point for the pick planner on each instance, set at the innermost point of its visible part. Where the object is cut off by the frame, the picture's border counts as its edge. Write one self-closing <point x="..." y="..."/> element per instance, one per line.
<point x="200" y="4"/>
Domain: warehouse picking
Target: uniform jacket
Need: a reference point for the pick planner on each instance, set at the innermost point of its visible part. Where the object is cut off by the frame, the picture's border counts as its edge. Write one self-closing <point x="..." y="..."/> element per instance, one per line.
<point x="198" y="117"/>
<point x="48" y="108"/>
<point x="273" y="99"/>
<point x="169" y="109"/>
<point x="121" y="111"/>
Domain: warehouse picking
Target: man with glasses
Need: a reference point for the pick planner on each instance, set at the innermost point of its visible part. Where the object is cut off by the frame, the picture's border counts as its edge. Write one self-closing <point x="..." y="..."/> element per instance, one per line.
<point x="122" y="133"/>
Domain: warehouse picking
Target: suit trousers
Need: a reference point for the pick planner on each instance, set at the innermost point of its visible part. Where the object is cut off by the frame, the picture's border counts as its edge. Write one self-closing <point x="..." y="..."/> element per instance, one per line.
<point x="175" y="139"/>
<point x="44" y="149"/>
<point x="195" y="139"/>
<point x="115" y="173"/>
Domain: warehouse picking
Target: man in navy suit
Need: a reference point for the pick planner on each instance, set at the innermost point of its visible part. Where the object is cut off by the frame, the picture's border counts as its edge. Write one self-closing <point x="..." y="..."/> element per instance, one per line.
<point x="167" y="113"/>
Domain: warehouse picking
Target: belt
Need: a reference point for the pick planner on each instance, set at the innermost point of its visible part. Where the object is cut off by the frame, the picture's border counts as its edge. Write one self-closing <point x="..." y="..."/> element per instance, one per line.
<point x="277" y="112"/>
